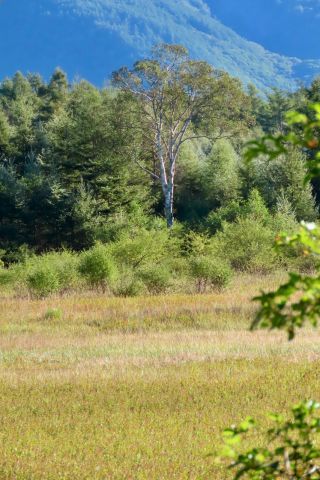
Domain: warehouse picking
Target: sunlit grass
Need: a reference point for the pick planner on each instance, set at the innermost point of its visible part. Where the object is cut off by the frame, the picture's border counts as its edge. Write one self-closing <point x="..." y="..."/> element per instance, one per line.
<point x="139" y="388"/>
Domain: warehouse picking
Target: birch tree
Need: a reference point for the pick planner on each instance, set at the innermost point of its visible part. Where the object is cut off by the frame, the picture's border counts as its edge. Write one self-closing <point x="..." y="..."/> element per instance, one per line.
<point x="177" y="99"/>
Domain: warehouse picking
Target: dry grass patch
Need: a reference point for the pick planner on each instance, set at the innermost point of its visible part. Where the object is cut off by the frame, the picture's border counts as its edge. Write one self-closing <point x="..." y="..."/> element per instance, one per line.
<point x="139" y="388"/>
<point x="89" y="313"/>
<point x="138" y="423"/>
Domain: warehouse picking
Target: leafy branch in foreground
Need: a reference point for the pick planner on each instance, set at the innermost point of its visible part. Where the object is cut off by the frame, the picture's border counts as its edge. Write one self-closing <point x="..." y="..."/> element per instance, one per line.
<point x="298" y="300"/>
<point x="303" y="133"/>
<point x="291" y="454"/>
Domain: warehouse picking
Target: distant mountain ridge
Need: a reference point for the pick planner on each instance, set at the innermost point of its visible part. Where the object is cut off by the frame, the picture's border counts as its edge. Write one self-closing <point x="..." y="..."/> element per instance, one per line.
<point x="191" y="23"/>
<point x="129" y="28"/>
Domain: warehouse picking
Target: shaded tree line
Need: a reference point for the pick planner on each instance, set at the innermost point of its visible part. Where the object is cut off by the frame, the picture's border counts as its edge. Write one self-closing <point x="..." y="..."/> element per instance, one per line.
<point x="164" y="139"/>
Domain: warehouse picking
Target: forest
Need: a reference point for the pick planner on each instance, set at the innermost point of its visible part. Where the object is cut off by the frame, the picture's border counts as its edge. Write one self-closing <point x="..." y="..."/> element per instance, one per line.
<point x="88" y="182"/>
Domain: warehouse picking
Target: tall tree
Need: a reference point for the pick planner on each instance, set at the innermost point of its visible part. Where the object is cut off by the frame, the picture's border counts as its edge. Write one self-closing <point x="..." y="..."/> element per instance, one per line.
<point x="283" y="177"/>
<point x="85" y="144"/>
<point x="272" y="115"/>
<point x="177" y="99"/>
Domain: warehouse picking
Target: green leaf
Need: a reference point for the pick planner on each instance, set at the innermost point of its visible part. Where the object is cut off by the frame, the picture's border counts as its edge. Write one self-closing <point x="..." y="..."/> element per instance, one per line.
<point x="296" y="117"/>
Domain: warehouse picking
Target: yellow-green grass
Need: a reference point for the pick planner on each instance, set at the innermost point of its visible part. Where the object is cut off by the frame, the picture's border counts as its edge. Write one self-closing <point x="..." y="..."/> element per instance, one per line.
<point x="139" y="388"/>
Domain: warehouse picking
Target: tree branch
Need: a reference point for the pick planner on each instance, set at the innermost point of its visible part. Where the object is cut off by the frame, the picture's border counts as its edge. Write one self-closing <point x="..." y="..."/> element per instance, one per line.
<point x="208" y="137"/>
<point x="153" y="175"/>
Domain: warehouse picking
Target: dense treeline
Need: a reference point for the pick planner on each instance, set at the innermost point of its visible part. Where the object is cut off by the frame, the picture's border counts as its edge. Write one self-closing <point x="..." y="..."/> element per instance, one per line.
<point x="77" y="166"/>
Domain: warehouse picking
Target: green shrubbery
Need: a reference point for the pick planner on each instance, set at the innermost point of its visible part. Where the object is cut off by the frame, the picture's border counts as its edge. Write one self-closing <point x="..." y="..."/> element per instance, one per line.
<point x="248" y="245"/>
<point x="247" y="237"/>
<point x="143" y="259"/>
<point x="156" y="278"/>
<point x="97" y="267"/>
<point x="147" y="258"/>
<point x="128" y="284"/>
<point x="54" y="272"/>
<point x="43" y="280"/>
<point x="209" y="272"/>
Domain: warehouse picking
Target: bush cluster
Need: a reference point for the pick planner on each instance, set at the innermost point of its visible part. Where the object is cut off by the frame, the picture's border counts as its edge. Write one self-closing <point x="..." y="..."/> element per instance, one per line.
<point x="147" y="258"/>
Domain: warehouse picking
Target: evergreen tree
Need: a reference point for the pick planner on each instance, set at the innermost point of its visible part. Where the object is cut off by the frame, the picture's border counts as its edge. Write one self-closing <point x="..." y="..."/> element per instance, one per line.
<point x="272" y="114"/>
<point x="220" y="175"/>
<point x="284" y="176"/>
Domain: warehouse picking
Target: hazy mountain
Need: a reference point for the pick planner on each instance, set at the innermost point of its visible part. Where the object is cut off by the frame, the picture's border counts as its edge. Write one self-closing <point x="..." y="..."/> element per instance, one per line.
<point x="288" y="27"/>
<point x="90" y="38"/>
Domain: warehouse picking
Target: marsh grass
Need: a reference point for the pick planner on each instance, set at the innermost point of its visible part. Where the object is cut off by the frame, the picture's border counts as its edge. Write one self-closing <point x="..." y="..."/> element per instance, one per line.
<point x="139" y="388"/>
<point x="53" y="314"/>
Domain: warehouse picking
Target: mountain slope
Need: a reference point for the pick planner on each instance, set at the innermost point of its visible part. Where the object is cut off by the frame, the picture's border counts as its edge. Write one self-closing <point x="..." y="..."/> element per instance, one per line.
<point x="94" y="37"/>
<point x="288" y="27"/>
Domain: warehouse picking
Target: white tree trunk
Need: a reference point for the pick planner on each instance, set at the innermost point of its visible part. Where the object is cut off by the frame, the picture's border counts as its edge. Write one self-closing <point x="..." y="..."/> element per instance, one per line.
<point x="168" y="204"/>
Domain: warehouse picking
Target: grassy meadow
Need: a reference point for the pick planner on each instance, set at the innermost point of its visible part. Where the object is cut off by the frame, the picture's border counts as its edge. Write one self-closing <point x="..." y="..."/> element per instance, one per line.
<point x="95" y="388"/>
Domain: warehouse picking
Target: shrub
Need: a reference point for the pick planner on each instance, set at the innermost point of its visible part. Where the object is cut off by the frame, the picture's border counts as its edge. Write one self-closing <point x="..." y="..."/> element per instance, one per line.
<point x="140" y="259"/>
<point x="66" y="264"/>
<point x="248" y="244"/>
<point x="155" y="278"/>
<point x="228" y="213"/>
<point x="123" y="223"/>
<point x="145" y="247"/>
<point x="209" y="271"/>
<point x="43" y="280"/>
<point x="195" y="243"/>
<point x="254" y="208"/>
<point x="128" y="284"/>
<point x="7" y="275"/>
<point x="97" y="267"/>
<point x="16" y="254"/>
<point x="13" y="276"/>
<point x="50" y="273"/>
